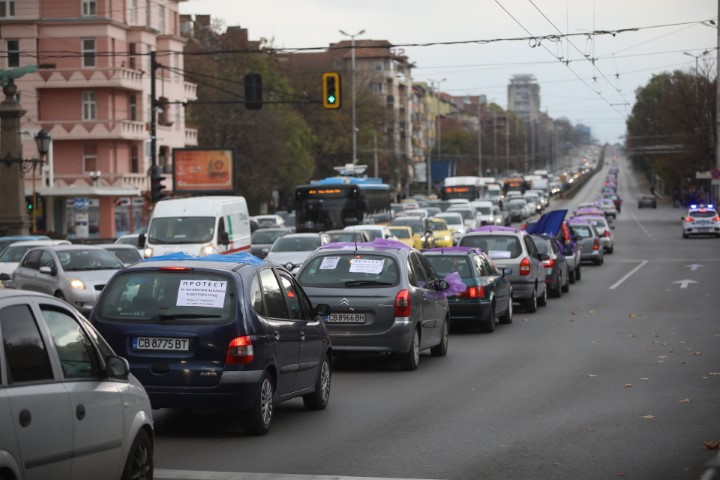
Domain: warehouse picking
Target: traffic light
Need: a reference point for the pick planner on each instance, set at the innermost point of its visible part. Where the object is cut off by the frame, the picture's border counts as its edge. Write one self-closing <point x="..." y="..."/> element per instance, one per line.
<point x="29" y="204"/>
<point x="331" y="90"/>
<point x="156" y="184"/>
<point x="253" y="91"/>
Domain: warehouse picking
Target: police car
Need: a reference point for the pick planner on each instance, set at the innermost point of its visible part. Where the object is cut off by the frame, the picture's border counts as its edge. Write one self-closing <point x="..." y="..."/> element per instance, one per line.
<point x="701" y="220"/>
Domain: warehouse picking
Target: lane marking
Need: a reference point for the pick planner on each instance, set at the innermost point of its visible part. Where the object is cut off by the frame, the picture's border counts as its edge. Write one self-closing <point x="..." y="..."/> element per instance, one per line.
<point x="631" y="272"/>
<point x="685" y="283"/>
<point x="642" y="227"/>
<point x="162" y="473"/>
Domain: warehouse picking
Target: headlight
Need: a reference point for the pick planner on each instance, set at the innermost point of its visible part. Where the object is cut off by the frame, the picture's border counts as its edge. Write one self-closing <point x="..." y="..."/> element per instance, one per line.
<point x="447" y="238"/>
<point x="77" y="283"/>
<point x="208" y="249"/>
<point x="148" y="252"/>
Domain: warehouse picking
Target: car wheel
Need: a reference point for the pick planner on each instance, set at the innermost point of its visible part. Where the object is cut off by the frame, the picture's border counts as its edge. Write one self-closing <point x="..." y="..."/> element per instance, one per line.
<point x="139" y="463"/>
<point x="542" y="301"/>
<point x="531" y="303"/>
<point x="440" y="350"/>
<point x="320" y="398"/>
<point x="685" y="235"/>
<point x="59" y="295"/>
<point x="557" y="291"/>
<point x="566" y="288"/>
<point x="611" y="249"/>
<point x="507" y="317"/>
<point x="488" y="326"/>
<point x="571" y="275"/>
<point x="410" y="359"/>
<point x="256" y="421"/>
<point x="578" y="273"/>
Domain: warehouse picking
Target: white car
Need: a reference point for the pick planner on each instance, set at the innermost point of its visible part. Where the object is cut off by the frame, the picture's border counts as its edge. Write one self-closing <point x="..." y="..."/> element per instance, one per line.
<point x="10" y="257"/>
<point x="701" y="220"/>
<point x="69" y="407"/>
<point x="292" y="249"/>
<point x="375" y="231"/>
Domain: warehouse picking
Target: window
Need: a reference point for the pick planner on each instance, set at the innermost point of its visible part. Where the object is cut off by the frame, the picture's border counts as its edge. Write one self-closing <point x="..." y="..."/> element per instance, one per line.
<point x="88" y="52"/>
<point x="90" y="158"/>
<point x="12" y="47"/>
<point x="88" y="105"/>
<point x="75" y="351"/>
<point x="88" y="8"/>
<point x="161" y="18"/>
<point x="134" y="159"/>
<point x="132" y="107"/>
<point x="132" y="55"/>
<point x="7" y="8"/>
<point x="274" y="300"/>
<point x="133" y="12"/>
<point x="298" y="310"/>
<point x="25" y="354"/>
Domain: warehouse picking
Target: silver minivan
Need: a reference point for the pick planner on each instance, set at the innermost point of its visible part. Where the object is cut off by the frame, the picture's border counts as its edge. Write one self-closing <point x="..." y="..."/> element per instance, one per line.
<point x="514" y="249"/>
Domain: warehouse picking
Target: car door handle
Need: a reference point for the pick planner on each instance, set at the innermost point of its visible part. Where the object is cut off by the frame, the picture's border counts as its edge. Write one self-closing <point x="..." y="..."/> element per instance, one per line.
<point x="276" y="335"/>
<point x="80" y="411"/>
<point x="25" y="418"/>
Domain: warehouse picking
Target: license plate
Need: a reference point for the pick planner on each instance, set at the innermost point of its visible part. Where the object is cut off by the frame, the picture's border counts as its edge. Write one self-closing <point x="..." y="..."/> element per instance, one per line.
<point x="702" y="222"/>
<point x="346" y="318"/>
<point x="161" y="343"/>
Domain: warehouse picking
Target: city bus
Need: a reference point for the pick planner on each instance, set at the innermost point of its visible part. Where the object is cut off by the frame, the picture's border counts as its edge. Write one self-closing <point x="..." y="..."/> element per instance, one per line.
<point x="337" y="202"/>
<point x="470" y="188"/>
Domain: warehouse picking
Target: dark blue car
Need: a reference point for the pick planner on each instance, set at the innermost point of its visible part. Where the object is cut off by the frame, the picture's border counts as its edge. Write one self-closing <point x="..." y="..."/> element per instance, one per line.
<point x="222" y="331"/>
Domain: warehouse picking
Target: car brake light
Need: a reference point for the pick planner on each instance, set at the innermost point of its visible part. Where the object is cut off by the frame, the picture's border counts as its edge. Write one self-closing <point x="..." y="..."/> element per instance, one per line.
<point x="402" y="304"/>
<point x="525" y="266"/>
<point x="176" y="269"/>
<point x="596" y="244"/>
<point x="239" y="351"/>
<point x="689" y="219"/>
<point x="716" y="218"/>
<point x="549" y="263"/>
<point x="606" y="234"/>
<point x="473" y="292"/>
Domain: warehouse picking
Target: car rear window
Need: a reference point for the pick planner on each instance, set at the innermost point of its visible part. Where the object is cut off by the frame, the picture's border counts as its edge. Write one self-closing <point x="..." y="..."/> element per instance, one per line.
<point x="581" y="231"/>
<point x="703" y="214"/>
<point x="174" y="296"/>
<point x="446" y="264"/>
<point x="496" y="246"/>
<point x="353" y="269"/>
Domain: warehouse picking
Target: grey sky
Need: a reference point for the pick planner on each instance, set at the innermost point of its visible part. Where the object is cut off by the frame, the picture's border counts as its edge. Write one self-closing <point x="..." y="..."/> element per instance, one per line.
<point x="624" y="62"/>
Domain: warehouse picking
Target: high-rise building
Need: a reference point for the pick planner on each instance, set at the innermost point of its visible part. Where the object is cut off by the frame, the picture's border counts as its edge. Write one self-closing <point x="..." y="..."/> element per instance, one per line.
<point x="524" y="97"/>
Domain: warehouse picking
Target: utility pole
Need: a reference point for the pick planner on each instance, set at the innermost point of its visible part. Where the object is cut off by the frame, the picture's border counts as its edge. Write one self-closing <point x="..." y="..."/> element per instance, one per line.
<point x="352" y="61"/>
<point x="717" y="110"/>
<point x="153" y="113"/>
<point x="507" y="142"/>
<point x="480" y="132"/>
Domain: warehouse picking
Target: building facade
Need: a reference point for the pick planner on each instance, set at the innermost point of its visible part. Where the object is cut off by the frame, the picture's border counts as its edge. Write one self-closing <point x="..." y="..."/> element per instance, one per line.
<point x="92" y="93"/>
<point x="524" y="97"/>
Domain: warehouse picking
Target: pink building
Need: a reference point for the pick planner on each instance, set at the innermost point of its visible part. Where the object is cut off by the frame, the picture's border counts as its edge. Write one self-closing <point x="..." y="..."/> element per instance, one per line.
<point x="95" y="102"/>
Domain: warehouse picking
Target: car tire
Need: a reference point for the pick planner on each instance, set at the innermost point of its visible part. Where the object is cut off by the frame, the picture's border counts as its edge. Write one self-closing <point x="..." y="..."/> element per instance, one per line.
<point x="319" y="399"/>
<point x="59" y="295"/>
<point x="578" y="273"/>
<point x="685" y="235"/>
<point x="139" y="463"/>
<point x="556" y="292"/>
<point x="441" y="349"/>
<point x="566" y="288"/>
<point x="531" y="303"/>
<point x="542" y="301"/>
<point x="257" y="420"/>
<point x="571" y="275"/>
<point x="507" y="317"/>
<point x="410" y="359"/>
<point x="488" y="326"/>
<point x="611" y="250"/>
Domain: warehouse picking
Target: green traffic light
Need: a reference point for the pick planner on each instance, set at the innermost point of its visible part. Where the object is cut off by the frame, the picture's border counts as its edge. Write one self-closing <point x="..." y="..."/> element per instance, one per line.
<point x="331" y="99"/>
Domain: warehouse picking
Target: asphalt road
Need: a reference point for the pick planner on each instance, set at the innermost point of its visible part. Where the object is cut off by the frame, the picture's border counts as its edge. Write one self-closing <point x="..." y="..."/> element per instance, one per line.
<point x="620" y="377"/>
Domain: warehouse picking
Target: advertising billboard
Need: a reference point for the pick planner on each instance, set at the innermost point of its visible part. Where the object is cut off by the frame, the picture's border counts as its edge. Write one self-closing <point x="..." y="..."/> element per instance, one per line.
<point x="203" y="170"/>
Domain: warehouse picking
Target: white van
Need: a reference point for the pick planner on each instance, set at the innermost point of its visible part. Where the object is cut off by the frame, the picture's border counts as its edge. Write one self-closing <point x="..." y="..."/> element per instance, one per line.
<point x="198" y="226"/>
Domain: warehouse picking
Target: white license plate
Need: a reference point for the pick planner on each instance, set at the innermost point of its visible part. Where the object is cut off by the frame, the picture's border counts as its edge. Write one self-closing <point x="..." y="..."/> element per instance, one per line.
<point x="162" y="343"/>
<point x="346" y="318"/>
<point x="702" y="222"/>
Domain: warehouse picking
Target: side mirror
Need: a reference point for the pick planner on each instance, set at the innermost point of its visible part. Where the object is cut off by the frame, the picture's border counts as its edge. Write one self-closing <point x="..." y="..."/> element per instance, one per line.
<point x="48" y="270"/>
<point x="506" y="271"/>
<point x="141" y="240"/>
<point x="224" y="238"/>
<point x="117" y="368"/>
<point x="322" y="309"/>
<point x="4" y="277"/>
<point x="442" y="285"/>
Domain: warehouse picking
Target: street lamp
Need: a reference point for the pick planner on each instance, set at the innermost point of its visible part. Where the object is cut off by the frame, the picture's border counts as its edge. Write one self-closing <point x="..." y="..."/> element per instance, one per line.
<point x="696" y="57"/>
<point x="352" y="55"/>
<point x="438" y="132"/>
<point x="42" y="141"/>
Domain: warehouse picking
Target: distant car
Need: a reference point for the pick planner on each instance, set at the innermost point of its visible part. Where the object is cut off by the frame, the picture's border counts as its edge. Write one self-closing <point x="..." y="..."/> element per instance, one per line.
<point x="8" y="239"/>
<point x="127" y="254"/>
<point x="454" y="220"/>
<point x="467" y="212"/>
<point x="485" y="214"/>
<point x="69" y="407"/>
<point x="218" y="332"/>
<point x="404" y="235"/>
<point x="348" y="236"/>
<point x="269" y="221"/>
<point x="608" y="207"/>
<point x="440" y="231"/>
<point x="514" y="249"/>
<point x="487" y="299"/>
<point x="262" y="239"/>
<point x="74" y="273"/>
<point x="517" y="209"/>
<point x="373" y="231"/>
<point x="292" y="249"/>
<point x="701" y="220"/>
<point x="557" y="271"/>
<point x="604" y="229"/>
<point x="648" y="201"/>
<point x="11" y="256"/>
<point x="416" y="225"/>
<point x="616" y="199"/>
<point x="591" y="248"/>
<point x="385" y="298"/>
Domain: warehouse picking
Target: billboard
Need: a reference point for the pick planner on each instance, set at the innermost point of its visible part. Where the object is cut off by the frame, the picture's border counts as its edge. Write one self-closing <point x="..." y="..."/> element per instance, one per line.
<point x="203" y="170"/>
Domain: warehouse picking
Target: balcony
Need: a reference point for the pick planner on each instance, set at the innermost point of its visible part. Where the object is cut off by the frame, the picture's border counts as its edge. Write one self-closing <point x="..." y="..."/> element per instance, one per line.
<point x="190" y="91"/>
<point x="191" y="137"/>
<point x="116" y="77"/>
<point x="98" y="130"/>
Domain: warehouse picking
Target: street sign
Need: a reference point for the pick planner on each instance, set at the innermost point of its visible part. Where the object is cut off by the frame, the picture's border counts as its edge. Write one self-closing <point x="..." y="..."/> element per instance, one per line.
<point x="707" y="175"/>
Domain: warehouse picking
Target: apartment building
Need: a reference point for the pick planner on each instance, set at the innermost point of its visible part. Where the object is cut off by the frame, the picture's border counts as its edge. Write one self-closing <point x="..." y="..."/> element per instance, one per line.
<point x="92" y="93"/>
<point x="524" y="97"/>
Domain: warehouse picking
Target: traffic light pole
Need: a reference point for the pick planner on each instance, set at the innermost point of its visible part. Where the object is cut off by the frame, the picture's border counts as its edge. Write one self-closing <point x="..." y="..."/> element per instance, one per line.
<point x="153" y="114"/>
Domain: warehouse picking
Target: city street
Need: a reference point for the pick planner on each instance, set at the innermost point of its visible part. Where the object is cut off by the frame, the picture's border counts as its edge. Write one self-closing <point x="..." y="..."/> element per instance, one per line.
<point x="619" y="378"/>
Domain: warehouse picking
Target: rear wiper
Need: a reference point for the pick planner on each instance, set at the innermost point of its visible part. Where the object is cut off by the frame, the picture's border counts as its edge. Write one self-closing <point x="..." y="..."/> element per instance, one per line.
<point x="358" y="283"/>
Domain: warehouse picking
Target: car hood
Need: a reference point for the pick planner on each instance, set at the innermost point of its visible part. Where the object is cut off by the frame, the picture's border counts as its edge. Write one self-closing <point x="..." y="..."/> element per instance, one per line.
<point x="283" y="258"/>
<point x="548" y="223"/>
<point x="92" y="276"/>
<point x="8" y="267"/>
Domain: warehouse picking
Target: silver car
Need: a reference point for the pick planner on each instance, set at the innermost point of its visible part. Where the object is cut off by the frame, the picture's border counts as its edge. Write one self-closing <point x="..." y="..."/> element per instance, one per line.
<point x="69" y="408"/>
<point x="385" y="298"/>
<point x="514" y="249"/>
<point x="591" y="248"/>
<point x="292" y="249"/>
<point x="75" y="273"/>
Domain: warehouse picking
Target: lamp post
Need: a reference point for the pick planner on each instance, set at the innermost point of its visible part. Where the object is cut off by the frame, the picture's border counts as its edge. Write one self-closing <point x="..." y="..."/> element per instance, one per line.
<point x="352" y="74"/>
<point x="42" y="141"/>
<point x="696" y="57"/>
<point x="438" y="131"/>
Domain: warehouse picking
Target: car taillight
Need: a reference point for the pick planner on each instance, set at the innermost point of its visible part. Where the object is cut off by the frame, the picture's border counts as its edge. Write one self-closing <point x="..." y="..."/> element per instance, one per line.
<point x="606" y="234"/>
<point x="473" y="292"/>
<point x="596" y="244"/>
<point x="689" y="219"/>
<point x="402" y="304"/>
<point x="549" y="263"/>
<point x="239" y="351"/>
<point x="525" y="266"/>
<point x="716" y="219"/>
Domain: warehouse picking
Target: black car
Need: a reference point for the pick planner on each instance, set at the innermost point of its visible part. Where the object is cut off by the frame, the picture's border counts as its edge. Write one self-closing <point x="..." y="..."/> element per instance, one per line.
<point x="648" y="201"/>
<point x="221" y="332"/>
<point x="557" y="273"/>
<point x="263" y="238"/>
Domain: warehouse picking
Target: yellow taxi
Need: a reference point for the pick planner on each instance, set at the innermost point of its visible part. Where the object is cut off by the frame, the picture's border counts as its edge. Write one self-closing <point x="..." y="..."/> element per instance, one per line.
<point x="441" y="232"/>
<point x="405" y="235"/>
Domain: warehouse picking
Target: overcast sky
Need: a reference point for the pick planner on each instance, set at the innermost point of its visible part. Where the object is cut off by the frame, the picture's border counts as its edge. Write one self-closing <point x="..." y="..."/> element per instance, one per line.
<point x="600" y="96"/>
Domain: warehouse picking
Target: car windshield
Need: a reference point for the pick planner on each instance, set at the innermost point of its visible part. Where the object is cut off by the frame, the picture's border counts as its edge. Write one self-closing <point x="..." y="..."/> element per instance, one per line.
<point x="130" y="240"/>
<point x="466" y="214"/>
<point x="266" y="236"/>
<point x="451" y="219"/>
<point x="14" y="253"/>
<point x="401" y="232"/>
<point x="346" y="236"/>
<point x="296" y="244"/>
<point x="167" y="297"/>
<point x="126" y="255"/>
<point x="181" y="230"/>
<point x="437" y="225"/>
<point x="80" y="260"/>
<point x="415" y="225"/>
<point x="350" y="270"/>
<point x="446" y="264"/>
<point x="496" y="246"/>
<point x="485" y="210"/>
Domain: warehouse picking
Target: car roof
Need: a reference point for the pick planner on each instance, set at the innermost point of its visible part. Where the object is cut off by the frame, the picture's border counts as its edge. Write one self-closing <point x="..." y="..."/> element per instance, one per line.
<point x="452" y="250"/>
<point x="230" y="261"/>
<point x="377" y="245"/>
<point x="39" y="243"/>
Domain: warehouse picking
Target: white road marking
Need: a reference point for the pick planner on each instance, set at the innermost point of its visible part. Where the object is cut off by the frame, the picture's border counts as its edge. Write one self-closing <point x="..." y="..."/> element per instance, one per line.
<point x="694" y="266"/>
<point x="162" y="473"/>
<point x="685" y="283"/>
<point x="619" y="282"/>
<point x="642" y="227"/>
